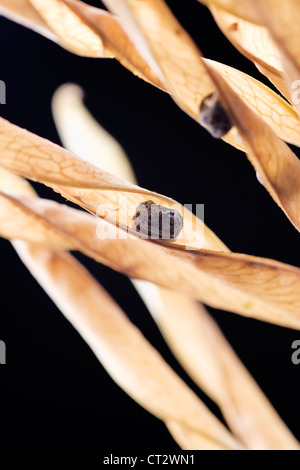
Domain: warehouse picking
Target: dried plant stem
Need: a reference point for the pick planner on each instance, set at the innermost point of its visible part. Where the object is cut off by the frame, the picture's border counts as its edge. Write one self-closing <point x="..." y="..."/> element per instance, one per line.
<point x="132" y="362"/>
<point x="204" y="352"/>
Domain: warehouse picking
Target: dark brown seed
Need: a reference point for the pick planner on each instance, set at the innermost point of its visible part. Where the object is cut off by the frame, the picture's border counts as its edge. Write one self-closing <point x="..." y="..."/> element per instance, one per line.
<point x="157" y="222"/>
<point x="214" y="117"/>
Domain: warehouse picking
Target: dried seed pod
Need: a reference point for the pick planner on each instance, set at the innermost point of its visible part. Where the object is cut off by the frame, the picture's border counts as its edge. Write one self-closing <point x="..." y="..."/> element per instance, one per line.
<point x="157" y="222"/>
<point x="259" y="178"/>
<point x="213" y="116"/>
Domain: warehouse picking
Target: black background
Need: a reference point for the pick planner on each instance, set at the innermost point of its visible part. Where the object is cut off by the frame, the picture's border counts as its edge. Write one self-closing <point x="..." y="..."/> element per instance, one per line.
<point x="54" y="393"/>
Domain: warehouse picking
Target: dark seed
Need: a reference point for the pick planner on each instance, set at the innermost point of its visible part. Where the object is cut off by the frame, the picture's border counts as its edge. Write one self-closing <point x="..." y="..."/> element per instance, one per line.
<point x="214" y="117"/>
<point x="157" y="222"/>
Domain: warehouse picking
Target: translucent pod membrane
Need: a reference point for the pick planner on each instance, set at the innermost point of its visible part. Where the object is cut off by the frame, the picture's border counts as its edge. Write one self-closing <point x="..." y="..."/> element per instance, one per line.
<point x="144" y="214"/>
<point x="259" y="178"/>
<point x="213" y="116"/>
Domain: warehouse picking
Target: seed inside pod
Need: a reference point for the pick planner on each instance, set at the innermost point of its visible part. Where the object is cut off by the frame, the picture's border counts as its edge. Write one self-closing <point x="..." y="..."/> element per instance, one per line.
<point x="157" y="222"/>
<point x="213" y="116"/>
